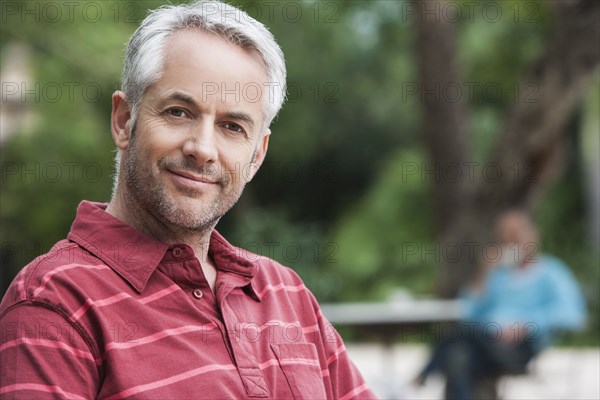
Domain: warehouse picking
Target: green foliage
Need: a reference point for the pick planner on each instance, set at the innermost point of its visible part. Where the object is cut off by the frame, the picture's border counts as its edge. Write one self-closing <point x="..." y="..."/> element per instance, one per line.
<point x="563" y="217"/>
<point x="379" y="236"/>
<point x="335" y="183"/>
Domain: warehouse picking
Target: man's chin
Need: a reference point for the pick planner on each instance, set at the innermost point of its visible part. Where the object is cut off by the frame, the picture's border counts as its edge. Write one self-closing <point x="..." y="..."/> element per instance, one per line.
<point x="195" y="222"/>
<point x="191" y="212"/>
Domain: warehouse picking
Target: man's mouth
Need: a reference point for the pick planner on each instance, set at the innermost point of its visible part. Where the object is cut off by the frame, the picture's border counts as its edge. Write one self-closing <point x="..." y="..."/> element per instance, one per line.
<point x="192" y="180"/>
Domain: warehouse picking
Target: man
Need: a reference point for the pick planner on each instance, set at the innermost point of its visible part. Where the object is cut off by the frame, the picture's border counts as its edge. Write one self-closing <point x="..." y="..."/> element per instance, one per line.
<point x="145" y="299"/>
<point x="514" y="309"/>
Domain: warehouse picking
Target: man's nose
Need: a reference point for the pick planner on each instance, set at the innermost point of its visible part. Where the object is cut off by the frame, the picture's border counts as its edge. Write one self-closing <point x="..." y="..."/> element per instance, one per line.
<point x="201" y="143"/>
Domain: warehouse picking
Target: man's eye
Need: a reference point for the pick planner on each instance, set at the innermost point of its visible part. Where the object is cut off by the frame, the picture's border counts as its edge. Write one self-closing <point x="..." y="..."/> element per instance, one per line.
<point x="234" y="127"/>
<point x="177" y="112"/>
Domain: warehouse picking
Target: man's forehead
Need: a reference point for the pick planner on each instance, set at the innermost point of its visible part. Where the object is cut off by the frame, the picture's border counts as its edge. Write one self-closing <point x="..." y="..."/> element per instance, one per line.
<point x="200" y="41"/>
<point x="201" y="69"/>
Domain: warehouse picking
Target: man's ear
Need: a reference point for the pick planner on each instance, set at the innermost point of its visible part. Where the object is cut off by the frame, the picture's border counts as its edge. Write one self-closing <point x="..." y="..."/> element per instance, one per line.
<point x="259" y="154"/>
<point x="120" y="120"/>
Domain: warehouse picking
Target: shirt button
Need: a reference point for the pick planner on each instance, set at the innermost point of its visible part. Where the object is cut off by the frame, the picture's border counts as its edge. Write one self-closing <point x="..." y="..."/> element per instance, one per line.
<point x="177" y="252"/>
<point x="197" y="293"/>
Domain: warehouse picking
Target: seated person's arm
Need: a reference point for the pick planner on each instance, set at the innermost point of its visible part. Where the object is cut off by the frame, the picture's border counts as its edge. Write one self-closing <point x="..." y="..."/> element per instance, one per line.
<point x="565" y="306"/>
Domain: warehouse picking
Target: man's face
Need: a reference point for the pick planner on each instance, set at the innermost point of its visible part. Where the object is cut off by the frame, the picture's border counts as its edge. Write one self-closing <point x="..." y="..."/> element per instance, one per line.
<point x="515" y="229"/>
<point x="195" y="146"/>
<point x="516" y="234"/>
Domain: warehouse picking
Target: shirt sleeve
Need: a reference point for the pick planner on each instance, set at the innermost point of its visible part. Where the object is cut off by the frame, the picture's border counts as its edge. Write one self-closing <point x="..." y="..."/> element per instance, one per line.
<point x="346" y="381"/>
<point x="43" y="356"/>
<point x="565" y="306"/>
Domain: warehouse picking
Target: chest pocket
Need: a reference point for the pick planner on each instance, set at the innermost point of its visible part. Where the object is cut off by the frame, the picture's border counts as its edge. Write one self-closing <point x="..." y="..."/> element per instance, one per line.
<point x="300" y="365"/>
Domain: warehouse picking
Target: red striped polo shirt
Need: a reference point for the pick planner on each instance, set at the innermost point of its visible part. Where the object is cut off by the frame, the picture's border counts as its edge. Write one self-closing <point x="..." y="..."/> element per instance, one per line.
<point x="110" y="313"/>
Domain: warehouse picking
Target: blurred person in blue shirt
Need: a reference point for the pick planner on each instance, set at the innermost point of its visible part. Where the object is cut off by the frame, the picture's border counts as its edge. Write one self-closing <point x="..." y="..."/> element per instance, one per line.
<point x="513" y="310"/>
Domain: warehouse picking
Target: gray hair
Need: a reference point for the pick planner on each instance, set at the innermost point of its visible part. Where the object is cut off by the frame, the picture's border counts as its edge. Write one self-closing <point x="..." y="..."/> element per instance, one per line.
<point x="144" y="54"/>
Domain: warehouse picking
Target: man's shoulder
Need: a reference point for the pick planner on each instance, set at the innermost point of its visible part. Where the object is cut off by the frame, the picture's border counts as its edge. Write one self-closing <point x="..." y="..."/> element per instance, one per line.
<point x="64" y="271"/>
<point x="555" y="269"/>
<point x="552" y="261"/>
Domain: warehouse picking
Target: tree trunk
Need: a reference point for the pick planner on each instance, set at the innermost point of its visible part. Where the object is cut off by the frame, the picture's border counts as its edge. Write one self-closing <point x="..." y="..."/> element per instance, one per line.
<point x="445" y="121"/>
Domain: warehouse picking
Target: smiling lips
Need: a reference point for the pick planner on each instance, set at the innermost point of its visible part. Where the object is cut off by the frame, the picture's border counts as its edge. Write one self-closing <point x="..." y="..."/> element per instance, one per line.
<point x="192" y="180"/>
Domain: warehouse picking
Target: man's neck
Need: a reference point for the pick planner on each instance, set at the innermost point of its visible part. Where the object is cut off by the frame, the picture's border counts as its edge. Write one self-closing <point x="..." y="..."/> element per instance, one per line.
<point x="133" y="214"/>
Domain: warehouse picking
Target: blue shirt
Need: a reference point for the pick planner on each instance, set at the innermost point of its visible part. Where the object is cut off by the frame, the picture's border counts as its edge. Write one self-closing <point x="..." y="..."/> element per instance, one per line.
<point x="543" y="295"/>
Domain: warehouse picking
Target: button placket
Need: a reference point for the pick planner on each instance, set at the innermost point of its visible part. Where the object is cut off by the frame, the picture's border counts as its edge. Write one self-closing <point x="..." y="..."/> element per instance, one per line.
<point x="243" y="353"/>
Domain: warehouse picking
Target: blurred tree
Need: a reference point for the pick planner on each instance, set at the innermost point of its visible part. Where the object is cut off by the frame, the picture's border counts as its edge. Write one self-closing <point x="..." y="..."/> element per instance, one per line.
<point x="529" y="150"/>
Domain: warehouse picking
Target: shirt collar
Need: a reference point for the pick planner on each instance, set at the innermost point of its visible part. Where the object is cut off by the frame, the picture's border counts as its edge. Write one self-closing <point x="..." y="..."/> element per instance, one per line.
<point x="231" y="259"/>
<point x="135" y="256"/>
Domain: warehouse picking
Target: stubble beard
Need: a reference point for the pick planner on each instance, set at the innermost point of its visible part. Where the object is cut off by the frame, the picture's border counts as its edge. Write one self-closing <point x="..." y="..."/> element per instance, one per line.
<point x="151" y="193"/>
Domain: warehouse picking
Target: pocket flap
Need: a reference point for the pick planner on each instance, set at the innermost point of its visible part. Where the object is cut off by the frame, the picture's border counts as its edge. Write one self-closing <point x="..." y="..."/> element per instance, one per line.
<point x="301" y="367"/>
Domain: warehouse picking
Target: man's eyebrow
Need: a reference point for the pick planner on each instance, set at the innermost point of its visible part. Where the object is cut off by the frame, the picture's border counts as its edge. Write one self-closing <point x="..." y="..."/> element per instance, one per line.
<point x="240" y="116"/>
<point x="182" y="97"/>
